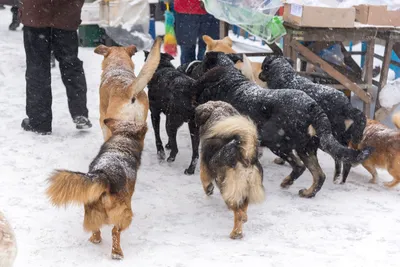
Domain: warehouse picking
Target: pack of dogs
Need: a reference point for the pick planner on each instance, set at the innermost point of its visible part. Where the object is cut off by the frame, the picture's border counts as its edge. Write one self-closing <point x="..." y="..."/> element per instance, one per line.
<point x="233" y="108"/>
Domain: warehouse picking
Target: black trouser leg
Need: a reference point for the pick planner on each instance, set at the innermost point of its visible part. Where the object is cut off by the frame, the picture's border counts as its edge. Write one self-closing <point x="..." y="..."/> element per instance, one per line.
<point x="38" y="77"/>
<point x="65" y="46"/>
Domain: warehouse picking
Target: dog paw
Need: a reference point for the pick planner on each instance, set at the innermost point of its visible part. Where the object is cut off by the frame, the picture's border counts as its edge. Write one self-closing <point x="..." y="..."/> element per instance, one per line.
<point x="279" y="161"/>
<point x="189" y="171"/>
<point x="117" y="256"/>
<point x="286" y="183"/>
<point x="337" y="180"/>
<point x="372" y="181"/>
<point x="168" y="146"/>
<point x="209" y="190"/>
<point x="303" y="193"/>
<point x="236" y="234"/>
<point x="171" y="159"/>
<point x="161" y="155"/>
<point x="95" y="240"/>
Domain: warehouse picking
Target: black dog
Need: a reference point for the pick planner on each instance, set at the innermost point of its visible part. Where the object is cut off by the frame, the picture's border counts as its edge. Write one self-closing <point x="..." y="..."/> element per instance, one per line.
<point x="287" y="120"/>
<point x="347" y="122"/>
<point x="170" y="92"/>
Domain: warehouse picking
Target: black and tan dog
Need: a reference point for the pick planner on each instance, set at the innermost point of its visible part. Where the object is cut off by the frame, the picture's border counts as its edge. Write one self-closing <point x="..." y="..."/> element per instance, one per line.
<point x="287" y="120"/>
<point x="347" y="122"/>
<point x="229" y="144"/>
<point x="106" y="190"/>
<point x="170" y="92"/>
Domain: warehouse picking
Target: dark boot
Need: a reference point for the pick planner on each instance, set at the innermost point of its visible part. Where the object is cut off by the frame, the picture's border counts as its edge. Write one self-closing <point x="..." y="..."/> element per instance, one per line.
<point x="2" y="7"/>
<point x="38" y="79"/>
<point x="26" y="125"/>
<point x="15" y="19"/>
<point x="65" y="46"/>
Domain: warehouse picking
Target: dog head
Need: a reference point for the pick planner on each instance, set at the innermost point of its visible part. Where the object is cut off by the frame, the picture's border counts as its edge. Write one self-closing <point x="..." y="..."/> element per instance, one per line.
<point x="116" y="55"/>
<point x="165" y="59"/>
<point x="204" y="111"/>
<point x="271" y="61"/>
<point x="215" y="59"/>
<point x="223" y="45"/>
<point x="133" y="129"/>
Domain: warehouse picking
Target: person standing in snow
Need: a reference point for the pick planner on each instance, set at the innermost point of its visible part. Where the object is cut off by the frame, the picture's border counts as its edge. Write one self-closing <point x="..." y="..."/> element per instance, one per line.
<point x="192" y="22"/>
<point x="52" y="25"/>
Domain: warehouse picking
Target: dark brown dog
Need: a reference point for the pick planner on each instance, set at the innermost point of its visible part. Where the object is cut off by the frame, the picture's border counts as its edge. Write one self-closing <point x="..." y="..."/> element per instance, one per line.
<point x="229" y="144"/>
<point x="106" y="190"/>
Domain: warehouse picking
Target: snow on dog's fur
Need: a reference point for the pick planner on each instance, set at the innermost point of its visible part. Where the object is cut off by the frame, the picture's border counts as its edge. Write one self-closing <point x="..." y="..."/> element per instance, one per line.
<point x="347" y="122"/>
<point x="8" y="245"/>
<point x="229" y="156"/>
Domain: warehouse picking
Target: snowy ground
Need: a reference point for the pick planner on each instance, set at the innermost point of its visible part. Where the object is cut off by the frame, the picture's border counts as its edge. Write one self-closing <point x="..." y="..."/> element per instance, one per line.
<point x="356" y="224"/>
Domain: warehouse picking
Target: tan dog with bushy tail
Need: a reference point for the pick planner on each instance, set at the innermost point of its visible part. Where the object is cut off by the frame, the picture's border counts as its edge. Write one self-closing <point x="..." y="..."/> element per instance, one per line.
<point x="122" y="94"/>
<point x="386" y="155"/>
<point x="8" y="245"/>
<point x="229" y="156"/>
<point x="249" y="69"/>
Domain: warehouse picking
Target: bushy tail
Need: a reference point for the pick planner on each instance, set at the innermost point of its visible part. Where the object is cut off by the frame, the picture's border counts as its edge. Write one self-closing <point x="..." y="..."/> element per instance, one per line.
<point x="357" y="128"/>
<point x="243" y="183"/>
<point x="75" y="187"/>
<point x="329" y="144"/>
<point x="396" y="120"/>
<point x="149" y="67"/>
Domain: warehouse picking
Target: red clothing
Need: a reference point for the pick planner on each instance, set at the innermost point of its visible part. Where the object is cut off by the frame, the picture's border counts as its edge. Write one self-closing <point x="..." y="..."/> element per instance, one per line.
<point x="189" y="7"/>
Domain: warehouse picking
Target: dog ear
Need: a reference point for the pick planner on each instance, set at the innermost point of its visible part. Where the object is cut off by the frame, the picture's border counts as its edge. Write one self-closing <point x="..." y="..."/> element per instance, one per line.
<point x="202" y="114"/>
<point x="228" y="41"/>
<point x="167" y="57"/>
<point x="131" y="50"/>
<point x="146" y="54"/>
<point x="141" y="131"/>
<point x="102" y="50"/>
<point x="210" y="42"/>
<point x="111" y="124"/>
<point x="235" y="57"/>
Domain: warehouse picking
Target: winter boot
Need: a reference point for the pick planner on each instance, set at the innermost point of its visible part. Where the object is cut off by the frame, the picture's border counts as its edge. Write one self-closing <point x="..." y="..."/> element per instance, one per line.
<point x="15" y="19"/>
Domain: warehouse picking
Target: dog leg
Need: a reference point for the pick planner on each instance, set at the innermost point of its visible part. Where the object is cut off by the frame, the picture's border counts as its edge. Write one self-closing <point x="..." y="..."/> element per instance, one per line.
<point x="346" y="171"/>
<point x="297" y="169"/>
<point x="372" y="170"/>
<point x="155" y="119"/>
<point x="96" y="237"/>
<point x="195" y="138"/>
<point x="396" y="177"/>
<point x="311" y="161"/>
<point x="237" y="232"/>
<point x="172" y="128"/>
<point x="244" y="210"/>
<point x="338" y="169"/>
<point x="116" y="252"/>
<point x="206" y="179"/>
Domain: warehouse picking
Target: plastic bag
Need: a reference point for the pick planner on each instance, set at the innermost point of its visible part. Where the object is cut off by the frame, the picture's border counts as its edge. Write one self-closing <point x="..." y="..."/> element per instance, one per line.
<point x="127" y="22"/>
<point x="254" y="16"/>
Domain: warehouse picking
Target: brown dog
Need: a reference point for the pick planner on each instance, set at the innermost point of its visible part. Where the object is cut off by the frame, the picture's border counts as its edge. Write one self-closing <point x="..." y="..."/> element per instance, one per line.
<point x="386" y="142"/>
<point x="8" y="245"/>
<point x="229" y="144"/>
<point x="121" y="93"/>
<point x="106" y="190"/>
<point x="249" y="69"/>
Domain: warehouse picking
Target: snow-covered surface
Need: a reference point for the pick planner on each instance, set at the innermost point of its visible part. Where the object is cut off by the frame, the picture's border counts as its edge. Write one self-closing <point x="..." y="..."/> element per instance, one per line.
<point x="175" y="224"/>
<point x="390" y="94"/>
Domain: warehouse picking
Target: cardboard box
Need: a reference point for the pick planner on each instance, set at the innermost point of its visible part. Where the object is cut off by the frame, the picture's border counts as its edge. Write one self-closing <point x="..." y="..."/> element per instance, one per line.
<point x="321" y="17"/>
<point x="372" y="15"/>
<point x="393" y="17"/>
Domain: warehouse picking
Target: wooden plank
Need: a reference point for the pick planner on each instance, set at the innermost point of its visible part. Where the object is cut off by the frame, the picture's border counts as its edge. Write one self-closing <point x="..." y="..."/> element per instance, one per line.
<point x="314" y="59"/>
<point x="276" y="49"/>
<point x="223" y="29"/>
<point x="384" y="71"/>
<point x="286" y="45"/>
<point x="368" y="67"/>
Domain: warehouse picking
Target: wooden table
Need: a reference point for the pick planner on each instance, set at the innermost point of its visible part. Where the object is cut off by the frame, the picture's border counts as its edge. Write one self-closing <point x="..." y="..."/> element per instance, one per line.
<point x="360" y="33"/>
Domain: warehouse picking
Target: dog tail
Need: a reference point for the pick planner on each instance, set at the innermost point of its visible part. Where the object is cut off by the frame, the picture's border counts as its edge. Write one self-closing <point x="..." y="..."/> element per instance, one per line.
<point x="8" y="243"/>
<point x="67" y="186"/>
<point x="329" y="144"/>
<point x="356" y="124"/>
<point x="241" y="184"/>
<point x="242" y="127"/>
<point x="149" y="67"/>
<point x="396" y="120"/>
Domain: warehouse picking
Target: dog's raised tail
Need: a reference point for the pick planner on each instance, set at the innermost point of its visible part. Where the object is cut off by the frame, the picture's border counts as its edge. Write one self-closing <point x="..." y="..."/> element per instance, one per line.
<point x="396" y="120"/>
<point x="329" y="144"/>
<point x="75" y="187"/>
<point x="149" y="67"/>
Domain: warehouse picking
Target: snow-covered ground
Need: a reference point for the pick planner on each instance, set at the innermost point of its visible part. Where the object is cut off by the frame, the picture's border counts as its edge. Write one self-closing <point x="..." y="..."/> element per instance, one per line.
<point x="175" y="224"/>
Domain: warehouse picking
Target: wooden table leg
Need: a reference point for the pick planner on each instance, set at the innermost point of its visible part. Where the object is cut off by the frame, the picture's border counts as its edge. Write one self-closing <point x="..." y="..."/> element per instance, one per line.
<point x="286" y="45"/>
<point x="293" y="56"/>
<point x="384" y="72"/>
<point x="369" y="60"/>
<point x="223" y="29"/>
<point x="319" y="62"/>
